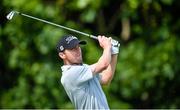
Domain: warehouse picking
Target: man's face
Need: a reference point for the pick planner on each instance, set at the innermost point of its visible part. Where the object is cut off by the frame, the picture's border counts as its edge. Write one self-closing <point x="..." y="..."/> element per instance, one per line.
<point x="74" y="55"/>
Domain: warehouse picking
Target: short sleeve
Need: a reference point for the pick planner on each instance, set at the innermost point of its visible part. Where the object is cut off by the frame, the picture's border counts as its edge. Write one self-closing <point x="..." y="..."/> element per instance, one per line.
<point x="78" y="75"/>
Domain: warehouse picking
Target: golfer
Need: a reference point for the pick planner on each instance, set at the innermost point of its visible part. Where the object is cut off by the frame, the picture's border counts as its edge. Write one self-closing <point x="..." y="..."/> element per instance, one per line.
<point x="82" y="82"/>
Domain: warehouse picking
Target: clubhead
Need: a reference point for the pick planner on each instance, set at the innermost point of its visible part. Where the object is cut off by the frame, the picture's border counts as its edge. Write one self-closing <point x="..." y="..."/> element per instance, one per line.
<point x="11" y="14"/>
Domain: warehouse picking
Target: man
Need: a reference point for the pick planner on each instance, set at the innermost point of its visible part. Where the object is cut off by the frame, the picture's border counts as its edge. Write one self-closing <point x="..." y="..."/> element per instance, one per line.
<point x="81" y="81"/>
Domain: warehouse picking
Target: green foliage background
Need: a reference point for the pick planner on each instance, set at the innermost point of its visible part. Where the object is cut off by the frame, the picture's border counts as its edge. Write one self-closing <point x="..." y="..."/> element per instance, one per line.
<point x="147" y="74"/>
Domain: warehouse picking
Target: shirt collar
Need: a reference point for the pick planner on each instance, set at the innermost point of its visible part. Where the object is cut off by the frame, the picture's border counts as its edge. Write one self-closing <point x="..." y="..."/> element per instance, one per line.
<point x="65" y="67"/>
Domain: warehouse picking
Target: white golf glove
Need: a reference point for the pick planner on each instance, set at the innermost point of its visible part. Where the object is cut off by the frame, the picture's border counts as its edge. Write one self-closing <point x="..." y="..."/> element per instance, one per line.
<point x="115" y="47"/>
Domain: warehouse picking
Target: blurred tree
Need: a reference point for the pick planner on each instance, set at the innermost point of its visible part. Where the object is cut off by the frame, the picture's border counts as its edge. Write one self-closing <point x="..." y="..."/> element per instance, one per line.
<point x="147" y="74"/>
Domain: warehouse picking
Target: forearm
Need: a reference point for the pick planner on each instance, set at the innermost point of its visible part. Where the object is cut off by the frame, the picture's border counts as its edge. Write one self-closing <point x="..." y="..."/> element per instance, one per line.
<point x="105" y="59"/>
<point x="112" y="66"/>
<point x="108" y="74"/>
<point x="103" y="62"/>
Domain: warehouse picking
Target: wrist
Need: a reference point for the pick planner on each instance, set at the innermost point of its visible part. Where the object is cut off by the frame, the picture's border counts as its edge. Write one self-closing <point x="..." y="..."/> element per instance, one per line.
<point x="114" y="50"/>
<point x="107" y="48"/>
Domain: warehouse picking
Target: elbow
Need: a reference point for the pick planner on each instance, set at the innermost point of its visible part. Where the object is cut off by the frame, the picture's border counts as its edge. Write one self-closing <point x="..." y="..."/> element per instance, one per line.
<point x="106" y="81"/>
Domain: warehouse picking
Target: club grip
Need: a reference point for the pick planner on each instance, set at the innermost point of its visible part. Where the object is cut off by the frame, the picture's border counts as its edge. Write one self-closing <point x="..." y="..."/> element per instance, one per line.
<point x="114" y="43"/>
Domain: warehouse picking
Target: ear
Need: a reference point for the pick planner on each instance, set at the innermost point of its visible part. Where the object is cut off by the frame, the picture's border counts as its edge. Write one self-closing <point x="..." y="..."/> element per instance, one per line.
<point x="62" y="55"/>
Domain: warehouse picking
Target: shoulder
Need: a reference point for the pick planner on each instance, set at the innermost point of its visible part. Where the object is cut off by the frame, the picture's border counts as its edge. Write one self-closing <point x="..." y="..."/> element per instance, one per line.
<point x="73" y="71"/>
<point x="73" y="76"/>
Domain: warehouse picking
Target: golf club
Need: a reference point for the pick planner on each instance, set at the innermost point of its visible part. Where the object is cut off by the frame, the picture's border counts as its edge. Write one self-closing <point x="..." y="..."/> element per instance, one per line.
<point x="12" y="13"/>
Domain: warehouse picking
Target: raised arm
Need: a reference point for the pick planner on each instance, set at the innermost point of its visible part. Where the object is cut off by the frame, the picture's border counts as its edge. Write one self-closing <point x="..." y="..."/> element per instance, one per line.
<point x="105" y="59"/>
<point x="106" y="65"/>
<point x="108" y="74"/>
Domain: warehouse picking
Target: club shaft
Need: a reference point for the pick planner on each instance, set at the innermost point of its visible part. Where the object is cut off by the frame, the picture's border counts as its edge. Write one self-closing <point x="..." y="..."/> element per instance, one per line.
<point x="11" y="14"/>
<point x="57" y="25"/>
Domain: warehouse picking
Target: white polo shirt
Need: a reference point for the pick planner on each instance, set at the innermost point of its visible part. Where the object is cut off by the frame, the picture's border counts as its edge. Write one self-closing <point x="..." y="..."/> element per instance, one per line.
<point x="83" y="89"/>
